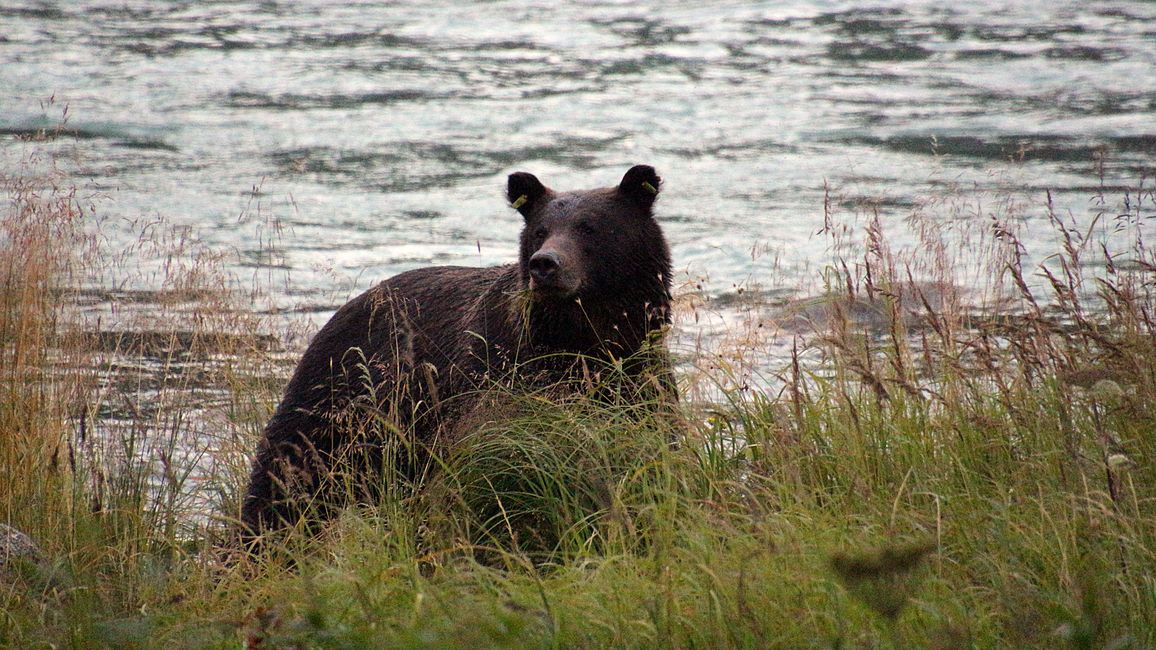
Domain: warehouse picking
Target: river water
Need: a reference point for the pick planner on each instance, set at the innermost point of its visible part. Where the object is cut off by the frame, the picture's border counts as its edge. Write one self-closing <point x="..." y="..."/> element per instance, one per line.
<point x="377" y="135"/>
<point x="324" y="146"/>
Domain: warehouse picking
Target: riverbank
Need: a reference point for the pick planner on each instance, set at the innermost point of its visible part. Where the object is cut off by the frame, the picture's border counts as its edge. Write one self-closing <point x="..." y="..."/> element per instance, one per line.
<point x="934" y="476"/>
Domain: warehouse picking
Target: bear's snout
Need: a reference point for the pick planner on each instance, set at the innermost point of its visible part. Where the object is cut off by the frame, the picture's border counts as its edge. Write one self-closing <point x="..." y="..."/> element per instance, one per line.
<point x="551" y="273"/>
<point x="544" y="266"/>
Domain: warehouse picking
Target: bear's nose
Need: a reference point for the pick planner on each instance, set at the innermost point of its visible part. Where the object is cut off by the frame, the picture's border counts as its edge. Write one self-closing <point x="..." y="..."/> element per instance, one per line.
<point x="543" y="265"/>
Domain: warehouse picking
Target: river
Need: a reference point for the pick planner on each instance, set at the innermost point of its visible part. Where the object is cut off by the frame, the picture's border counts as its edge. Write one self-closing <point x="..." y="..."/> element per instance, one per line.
<point x="376" y="136"/>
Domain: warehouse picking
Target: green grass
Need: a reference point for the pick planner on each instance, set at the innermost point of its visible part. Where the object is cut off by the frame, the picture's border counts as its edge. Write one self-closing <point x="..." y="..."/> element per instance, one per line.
<point x="950" y="479"/>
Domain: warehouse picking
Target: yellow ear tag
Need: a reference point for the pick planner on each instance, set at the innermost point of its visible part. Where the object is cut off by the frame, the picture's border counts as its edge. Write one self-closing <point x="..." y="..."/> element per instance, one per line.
<point x="519" y="202"/>
<point x="649" y="188"/>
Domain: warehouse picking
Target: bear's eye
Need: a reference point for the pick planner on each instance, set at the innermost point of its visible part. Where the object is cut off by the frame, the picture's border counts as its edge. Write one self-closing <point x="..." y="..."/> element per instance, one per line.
<point x="585" y="227"/>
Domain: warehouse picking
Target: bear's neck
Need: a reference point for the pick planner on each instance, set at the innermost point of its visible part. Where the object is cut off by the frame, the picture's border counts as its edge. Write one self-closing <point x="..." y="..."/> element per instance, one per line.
<point x="606" y="327"/>
<point x="513" y="327"/>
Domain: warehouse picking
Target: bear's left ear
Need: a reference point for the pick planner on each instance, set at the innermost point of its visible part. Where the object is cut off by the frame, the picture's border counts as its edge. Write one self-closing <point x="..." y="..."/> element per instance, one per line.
<point x="641" y="184"/>
<point x="524" y="190"/>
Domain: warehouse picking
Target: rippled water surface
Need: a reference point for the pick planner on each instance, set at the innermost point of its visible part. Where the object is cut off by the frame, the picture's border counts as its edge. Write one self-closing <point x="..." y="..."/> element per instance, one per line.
<point x="377" y="135"/>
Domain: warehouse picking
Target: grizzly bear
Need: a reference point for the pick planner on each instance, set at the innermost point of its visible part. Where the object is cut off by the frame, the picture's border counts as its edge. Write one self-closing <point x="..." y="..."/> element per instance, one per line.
<point x="405" y="360"/>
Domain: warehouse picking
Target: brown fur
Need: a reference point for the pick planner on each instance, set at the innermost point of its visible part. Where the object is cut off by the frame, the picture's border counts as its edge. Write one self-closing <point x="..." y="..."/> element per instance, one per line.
<point x="403" y="362"/>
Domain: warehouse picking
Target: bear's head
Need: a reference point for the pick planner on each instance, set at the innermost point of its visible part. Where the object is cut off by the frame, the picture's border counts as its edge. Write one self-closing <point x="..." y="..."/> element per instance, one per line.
<point x="600" y="247"/>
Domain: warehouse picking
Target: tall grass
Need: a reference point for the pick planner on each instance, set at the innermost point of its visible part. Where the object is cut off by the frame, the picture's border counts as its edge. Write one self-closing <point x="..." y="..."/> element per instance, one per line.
<point x="39" y="218"/>
<point x="103" y="432"/>
<point x="926" y="470"/>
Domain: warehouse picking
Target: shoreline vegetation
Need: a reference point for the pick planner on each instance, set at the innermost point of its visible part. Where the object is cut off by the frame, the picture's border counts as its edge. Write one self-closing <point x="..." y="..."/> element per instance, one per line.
<point x="925" y="469"/>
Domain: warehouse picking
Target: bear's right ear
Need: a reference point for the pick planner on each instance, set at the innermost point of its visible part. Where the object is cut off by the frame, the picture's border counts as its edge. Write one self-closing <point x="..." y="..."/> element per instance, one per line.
<point x="524" y="191"/>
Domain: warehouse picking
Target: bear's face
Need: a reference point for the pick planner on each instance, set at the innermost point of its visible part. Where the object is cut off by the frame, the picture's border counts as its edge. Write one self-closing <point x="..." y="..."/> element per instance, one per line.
<point x="591" y="244"/>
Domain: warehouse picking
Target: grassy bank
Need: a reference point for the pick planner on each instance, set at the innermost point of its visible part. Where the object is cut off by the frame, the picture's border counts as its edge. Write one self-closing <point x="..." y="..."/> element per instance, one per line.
<point x="943" y="477"/>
